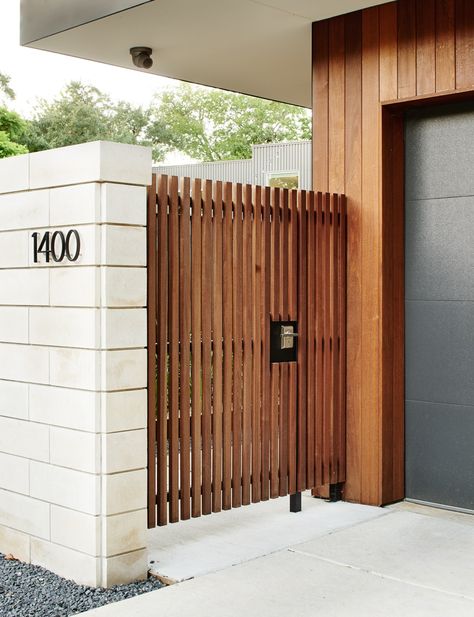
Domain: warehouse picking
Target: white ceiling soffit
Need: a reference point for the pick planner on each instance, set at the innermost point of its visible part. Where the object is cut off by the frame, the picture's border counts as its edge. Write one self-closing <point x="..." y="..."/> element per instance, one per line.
<point x="258" y="47"/>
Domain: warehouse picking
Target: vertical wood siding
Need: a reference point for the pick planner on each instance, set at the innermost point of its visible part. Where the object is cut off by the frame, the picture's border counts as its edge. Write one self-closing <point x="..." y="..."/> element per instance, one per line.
<point x="408" y="49"/>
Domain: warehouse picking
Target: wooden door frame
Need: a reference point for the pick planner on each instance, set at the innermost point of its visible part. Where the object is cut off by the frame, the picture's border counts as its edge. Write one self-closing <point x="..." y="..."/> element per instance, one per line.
<point x="393" y="284"/>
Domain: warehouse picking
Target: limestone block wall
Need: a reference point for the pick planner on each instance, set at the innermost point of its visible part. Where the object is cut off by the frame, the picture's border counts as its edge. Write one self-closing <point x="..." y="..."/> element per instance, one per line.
<point x="73" y="360"/>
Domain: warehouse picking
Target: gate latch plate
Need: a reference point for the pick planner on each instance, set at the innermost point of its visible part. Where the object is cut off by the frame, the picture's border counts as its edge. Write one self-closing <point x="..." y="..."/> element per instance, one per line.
<point x="283" y="341"/>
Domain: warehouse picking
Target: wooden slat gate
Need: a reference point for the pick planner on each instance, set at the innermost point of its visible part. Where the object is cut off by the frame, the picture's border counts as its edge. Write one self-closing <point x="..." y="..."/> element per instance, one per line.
<point x="227" y="426"/>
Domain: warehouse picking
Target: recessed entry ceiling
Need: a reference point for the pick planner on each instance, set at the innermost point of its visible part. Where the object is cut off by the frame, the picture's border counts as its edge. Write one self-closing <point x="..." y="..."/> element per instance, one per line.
<point x="258" y="47"/>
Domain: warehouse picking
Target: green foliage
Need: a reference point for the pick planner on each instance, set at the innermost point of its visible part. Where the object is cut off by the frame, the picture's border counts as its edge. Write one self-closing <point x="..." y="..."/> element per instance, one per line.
<point x="83" y="113"/>
<point x="214" y="125"/>
<point x="12" y="126"/>
<point x="6" y="90"/>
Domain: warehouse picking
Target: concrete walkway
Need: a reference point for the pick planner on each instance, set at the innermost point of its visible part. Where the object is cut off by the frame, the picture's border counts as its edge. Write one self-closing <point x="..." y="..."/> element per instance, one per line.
<point x="400" y="561"/>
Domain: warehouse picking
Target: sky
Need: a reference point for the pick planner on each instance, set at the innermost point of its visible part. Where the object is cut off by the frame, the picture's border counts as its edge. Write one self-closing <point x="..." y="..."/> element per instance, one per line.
<point x="43" y="74"/>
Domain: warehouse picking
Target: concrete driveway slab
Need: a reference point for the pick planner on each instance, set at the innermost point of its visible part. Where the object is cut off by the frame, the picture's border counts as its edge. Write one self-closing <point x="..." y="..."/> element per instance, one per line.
<point x="289" y="584"/>
<point x="210" y="543"/>
<point x="435" y="552"/>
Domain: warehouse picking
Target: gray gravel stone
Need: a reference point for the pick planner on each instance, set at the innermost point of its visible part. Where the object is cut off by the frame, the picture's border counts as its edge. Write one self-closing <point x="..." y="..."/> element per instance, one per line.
<point x="32" y="591"/>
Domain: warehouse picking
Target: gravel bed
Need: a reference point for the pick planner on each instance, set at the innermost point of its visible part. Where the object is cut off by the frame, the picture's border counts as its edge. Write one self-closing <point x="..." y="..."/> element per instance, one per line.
<point x="32" y="591"/>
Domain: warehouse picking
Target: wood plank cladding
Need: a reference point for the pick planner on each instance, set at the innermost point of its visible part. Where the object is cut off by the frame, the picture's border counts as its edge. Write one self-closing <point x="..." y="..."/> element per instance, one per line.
<point x="365" y="65"/>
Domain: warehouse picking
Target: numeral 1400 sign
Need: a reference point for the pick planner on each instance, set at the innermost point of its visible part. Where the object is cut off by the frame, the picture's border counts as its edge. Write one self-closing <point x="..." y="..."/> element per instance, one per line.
<point x="57" y="246"/>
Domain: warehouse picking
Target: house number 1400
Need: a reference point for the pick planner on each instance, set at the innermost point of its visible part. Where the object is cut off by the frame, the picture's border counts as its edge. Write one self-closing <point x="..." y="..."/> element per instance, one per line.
<point x="56" y="245"/>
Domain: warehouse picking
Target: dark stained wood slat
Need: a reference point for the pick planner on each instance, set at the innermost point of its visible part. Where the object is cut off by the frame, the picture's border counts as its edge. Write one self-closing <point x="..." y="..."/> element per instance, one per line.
<point x="320" y="46"/>
<point x="265" y="312"/>
<point x="342" y="265"/>
<point x="196" y="273"/>
<point x="185" y="349"/>
<point x="336" y="104"/>
<point x="284" y="289"/>
<point x="173" y="408"/>
<point x="257" y="438"/>
<point x="388" y="75"/>
<point x="237" y="261"/>
<point x="302" y="348"/>
<point x="151" y="344"/>
<point x="326" y="299"/>
<point x="247" y="300"/>
<point x="464" y="44"/>
<point x="228" y="352"/>
<point x="406" y="47"/>
<point x="206" y="294"/>
<point x="311" y="342"/>
<point x="445" y="45"/>
<point x="162" y="353"/>
<point x="425" y="47"/>
<point x="319" y="336"/>
<point x="293" y="315"/>
<point x="217" y="400"/>
<point x="335" y="316"/>
<point x="275" y="367"/>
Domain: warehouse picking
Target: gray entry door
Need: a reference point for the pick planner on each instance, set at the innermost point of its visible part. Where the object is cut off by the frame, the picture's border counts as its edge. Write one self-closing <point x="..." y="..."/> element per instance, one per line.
<point x="439" y="306"/>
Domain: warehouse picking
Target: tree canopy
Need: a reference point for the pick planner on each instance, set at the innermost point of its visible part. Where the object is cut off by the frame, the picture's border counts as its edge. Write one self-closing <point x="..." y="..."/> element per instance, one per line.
<point x="12" y="126"/>
<point x="205" y="124"/>
<point x="213" y="125"/>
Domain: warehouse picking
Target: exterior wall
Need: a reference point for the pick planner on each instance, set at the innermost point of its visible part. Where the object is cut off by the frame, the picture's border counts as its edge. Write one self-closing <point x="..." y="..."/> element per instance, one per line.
<point x="285" y="156"/>
<point x="367" y="67"/>
<point x="73" y="369"/>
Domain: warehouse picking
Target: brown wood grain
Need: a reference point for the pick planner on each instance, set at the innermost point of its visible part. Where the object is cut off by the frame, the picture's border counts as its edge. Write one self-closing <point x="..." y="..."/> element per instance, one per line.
<point x="151" y="345"/>
<point x="206" y="291"/>
<point x="284" y="369"/>
<point x="196" y="336"/>
<point x="247" y="301"/>
<point x="319" y="339"/>
<point x="257" y="421"/>
<point x="227" y="326"/>
<point x="162" y="352"/>
<point x="388" y="49"/>
<point x="320" y="48"/>
<point x="275" y="367"/>
<point x="353" y="172"/>
<point x="425" y="46"/>
<point x="265" y="291"/>
<point x="311" y="342"/>
<point x="293" y="315"/>
<point x="217" y="356"/>
<point x="237" y="261"/>
<point x="445" y="45"/>
<point x="464" y="43"/>
<point x="406" y="47"/>
<point x="302" y="334"/>
<point x="336" y="102"/>
<point x="185" y="348"/>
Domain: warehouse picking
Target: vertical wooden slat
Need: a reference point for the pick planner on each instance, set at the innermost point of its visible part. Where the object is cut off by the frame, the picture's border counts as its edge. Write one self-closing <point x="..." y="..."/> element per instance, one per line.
<point x="265" y="311"/>
<point x="335" y="338"/>
<point x="425" y="47"/>
<point x="293" y="369"/>
<point x="336" y="105"/>
<point x="320" y="105"/>
<point x="326" y="299"/>
<point x="185" y="350"/>
<point x="342" y="291"/>
<point x="217" y="350"/>
<point x="206" y="314"/>
<point x="275" y="367"/>
<point x="353" y="171"/>
<point x="388" y="53"/>
<point x="173" y="408"/>
<point x="310" y="342"/>
<point x="464" y="44"/>
<point x="151" y="343"/>
<point x="247" y="299"/>
<point x="196" y="347"/>
<point x="302" y="348"/>
<point x="284" y="289"/>
<point x="257" y="351"/>
<point x="162" y="352"/>
<point x="319" y="335"/>
<point x="237" y="260"/>
<point x="227" y="325"/>
<point x="406" y="48"/>
<point x="445" y="46"/>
